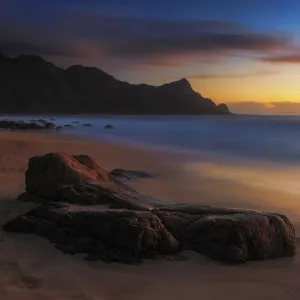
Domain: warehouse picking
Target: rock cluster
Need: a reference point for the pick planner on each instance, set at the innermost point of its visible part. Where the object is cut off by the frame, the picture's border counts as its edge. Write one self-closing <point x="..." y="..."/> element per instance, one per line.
<point x="85" y="209"/>
<point x="22" y="125"/>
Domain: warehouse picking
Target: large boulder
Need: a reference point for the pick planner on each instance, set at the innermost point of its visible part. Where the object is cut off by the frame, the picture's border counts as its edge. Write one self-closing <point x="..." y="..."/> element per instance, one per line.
<point x="47" y="174"/>
<point x="87" y="209"/>
<point x="78" y="179"/>
<point x="110" y="235"/>
<point x="230" y="234"/>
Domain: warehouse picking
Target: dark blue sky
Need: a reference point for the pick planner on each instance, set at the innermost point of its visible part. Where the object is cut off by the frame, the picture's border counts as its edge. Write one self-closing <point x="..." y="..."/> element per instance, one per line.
<point x="159" y="40"/>
<point x="258" y="13"/>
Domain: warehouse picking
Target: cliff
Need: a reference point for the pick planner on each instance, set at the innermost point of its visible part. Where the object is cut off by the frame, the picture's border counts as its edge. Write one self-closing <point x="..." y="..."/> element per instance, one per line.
<point x="29" y="84"/>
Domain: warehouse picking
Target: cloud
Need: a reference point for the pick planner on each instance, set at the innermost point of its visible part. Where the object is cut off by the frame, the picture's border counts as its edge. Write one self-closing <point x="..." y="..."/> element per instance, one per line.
<point x="12" y="47"/>
<point x="265" y="108"/>
<point x="259" y="73"/>
<point x="108" y="38"/>
<point x="286" y="58"/>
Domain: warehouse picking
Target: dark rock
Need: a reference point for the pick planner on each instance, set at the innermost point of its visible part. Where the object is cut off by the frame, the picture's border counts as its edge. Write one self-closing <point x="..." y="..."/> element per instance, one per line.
<point x="233" y="236"/>
<point x="42" y="121"/>
<point x="125" y="175"/>
<point x="75" y="122"/>
<point x="48" y="173"/>
<point x="109" y="127"/>
<point x="21" y="125"/>
<point x="116" y="235"/>
<point x="68" y="126"/>
<point x="87" y="125"/>
<point x="223" y="109"/>
<point x="79" y="179"/>
<point x="58" y="128"/>
<point x="49" y="125"/>
<point x="111" y="221"/>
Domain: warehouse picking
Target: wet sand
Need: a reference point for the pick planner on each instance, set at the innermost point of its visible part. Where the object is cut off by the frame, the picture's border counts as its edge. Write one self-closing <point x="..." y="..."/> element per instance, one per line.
<point x="31" y="268"/>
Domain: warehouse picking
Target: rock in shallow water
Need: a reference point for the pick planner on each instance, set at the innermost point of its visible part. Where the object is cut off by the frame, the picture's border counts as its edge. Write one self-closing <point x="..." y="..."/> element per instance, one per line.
<point x="125" y="175"/>
<point x="141" y="226"/>
<point x="109" y="127"/>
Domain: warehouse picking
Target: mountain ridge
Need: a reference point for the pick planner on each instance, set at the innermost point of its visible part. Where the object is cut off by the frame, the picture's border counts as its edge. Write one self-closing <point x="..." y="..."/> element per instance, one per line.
<point x="30" y="84"/>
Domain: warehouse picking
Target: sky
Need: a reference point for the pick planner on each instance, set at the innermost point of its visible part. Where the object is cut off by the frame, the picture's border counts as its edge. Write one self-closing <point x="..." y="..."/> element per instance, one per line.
<point x="241" y="52"/>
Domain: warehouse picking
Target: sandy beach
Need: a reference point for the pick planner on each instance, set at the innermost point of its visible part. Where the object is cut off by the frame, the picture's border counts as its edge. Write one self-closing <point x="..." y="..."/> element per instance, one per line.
<point x="31" y="268"/>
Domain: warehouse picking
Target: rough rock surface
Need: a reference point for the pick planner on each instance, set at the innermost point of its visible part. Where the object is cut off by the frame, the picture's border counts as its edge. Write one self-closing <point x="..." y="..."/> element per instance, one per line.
<point x="231" y="235"/>
<point x="79" y="179"/>
<point x="110" y="235"/>
<point x="106" y="219"/>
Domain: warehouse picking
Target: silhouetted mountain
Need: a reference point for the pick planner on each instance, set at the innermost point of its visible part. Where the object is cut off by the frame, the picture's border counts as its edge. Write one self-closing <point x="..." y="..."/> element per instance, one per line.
<point x="29" y="84"/>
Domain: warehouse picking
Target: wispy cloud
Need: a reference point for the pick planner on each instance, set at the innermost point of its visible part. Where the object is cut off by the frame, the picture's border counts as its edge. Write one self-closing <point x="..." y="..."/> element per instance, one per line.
<point x="286" y="58"/>
<point x="266" y="108"/>
<point x="108" y="37"/>
<point x="259" y="73"/>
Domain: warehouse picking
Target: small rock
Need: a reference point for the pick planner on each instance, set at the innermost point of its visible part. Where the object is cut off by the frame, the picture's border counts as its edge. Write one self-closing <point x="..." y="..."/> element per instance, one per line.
<point x="50" y="125"/>
<point x="109" y="127"/>
<point x="125" y="175"/>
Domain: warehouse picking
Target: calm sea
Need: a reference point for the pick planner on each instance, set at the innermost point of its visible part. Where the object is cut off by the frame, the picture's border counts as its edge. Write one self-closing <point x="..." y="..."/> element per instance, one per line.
<point x="259" y="138"/>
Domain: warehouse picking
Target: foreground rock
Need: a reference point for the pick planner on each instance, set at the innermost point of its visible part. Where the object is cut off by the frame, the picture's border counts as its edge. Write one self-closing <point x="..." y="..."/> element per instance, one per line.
<point x="229" y="234"/>
<point x="78" y="179"/>
<point x="109" y="235"/>
<point x="106" y="219"/>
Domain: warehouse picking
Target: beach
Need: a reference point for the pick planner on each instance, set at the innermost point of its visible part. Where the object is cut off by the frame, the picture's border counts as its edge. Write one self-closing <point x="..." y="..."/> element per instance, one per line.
<point x="31" y="268"/>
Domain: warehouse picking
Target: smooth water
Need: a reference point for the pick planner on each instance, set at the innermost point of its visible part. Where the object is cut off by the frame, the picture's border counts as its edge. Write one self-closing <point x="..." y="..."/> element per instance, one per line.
<point x="259" y="138"/>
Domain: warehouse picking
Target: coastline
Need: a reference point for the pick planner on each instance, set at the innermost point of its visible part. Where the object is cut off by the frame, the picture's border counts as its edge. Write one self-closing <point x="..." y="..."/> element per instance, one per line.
<point x="31" y="268"/>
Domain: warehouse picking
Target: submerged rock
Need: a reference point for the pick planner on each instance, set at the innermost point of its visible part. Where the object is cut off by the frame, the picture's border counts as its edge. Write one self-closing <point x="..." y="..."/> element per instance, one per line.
<point x="22" y="125"/>
<point x="109" y="127"/>
<point x="42" y="121"/>
<point x="87" y="125"/>
<point x="125" y="175"/>
<point x="87" y="210"/>
<point x="50" y="125"/>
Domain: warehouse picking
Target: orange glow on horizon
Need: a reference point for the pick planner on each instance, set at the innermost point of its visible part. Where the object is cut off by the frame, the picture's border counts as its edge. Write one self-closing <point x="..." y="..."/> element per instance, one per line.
<point x="278" y="87"/>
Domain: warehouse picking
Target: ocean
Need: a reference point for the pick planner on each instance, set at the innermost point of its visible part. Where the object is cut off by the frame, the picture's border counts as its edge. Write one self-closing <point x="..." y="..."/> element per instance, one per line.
<point x="237" y="137"/>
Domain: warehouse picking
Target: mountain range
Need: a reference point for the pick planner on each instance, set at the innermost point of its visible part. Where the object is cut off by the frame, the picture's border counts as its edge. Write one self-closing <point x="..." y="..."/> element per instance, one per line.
<point x="32" y="85"/>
